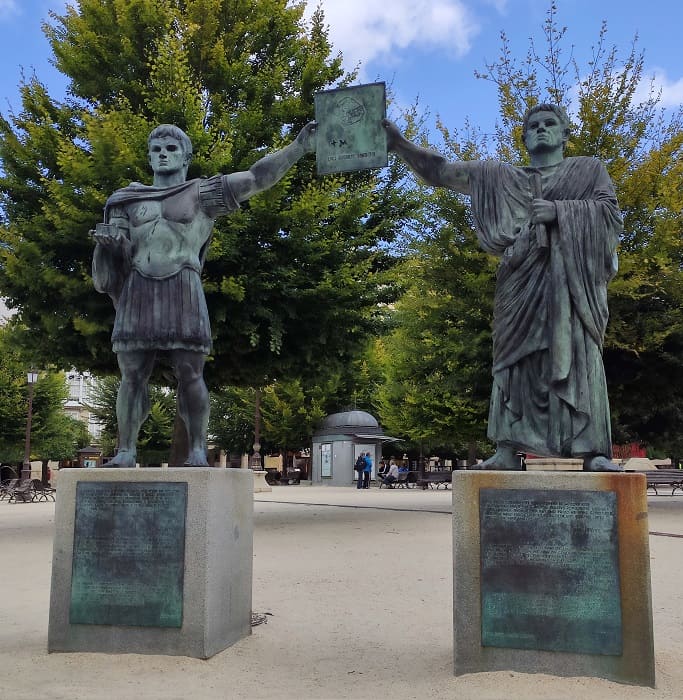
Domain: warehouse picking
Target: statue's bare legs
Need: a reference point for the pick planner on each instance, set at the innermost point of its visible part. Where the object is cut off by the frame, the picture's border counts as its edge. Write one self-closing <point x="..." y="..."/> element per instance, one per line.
<point x="193" y="403"/>
<point x="132" y="403"/>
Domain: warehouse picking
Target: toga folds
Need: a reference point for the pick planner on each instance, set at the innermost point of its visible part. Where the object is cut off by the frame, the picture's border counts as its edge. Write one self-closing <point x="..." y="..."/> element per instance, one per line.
<point x="549" y="393"/>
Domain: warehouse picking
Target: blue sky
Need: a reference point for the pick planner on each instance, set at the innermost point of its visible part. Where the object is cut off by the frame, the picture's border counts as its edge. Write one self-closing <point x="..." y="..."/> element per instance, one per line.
<point x="424" y="48"/>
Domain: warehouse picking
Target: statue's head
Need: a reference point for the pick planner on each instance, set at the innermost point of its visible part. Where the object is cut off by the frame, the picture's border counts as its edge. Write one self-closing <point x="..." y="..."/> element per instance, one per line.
<point x="558" y="111"/>
<point x="170" y="133"/>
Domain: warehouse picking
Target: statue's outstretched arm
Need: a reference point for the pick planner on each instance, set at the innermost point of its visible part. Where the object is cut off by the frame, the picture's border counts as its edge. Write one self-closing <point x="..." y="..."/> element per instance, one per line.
<point x="264" y="173"/>
<point x="431" y="166"/>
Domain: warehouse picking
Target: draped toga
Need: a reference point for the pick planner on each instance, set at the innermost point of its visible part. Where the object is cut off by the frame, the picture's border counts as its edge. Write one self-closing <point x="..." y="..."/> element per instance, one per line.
<point x="549" y="393"/>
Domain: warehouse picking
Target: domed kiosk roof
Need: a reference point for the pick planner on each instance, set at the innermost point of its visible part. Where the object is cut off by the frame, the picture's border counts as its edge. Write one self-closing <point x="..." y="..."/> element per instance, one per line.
<point x="358" y="424"/>
<point x="352" y="420"/>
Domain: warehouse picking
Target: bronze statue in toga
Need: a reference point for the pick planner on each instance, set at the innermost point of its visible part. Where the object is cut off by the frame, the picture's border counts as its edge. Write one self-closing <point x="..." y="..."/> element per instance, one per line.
<point x="555" y="226"/>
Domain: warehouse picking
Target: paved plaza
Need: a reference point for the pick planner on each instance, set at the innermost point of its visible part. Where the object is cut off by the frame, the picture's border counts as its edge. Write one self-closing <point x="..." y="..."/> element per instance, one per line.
<point x="358" y="585"/>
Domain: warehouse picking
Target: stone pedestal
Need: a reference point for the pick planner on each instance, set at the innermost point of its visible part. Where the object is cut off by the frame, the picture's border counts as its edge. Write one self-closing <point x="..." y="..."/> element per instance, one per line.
<point x="152" y="561"/>
<point x="553" y="464"/>
<point x="260" y="483"/>
<point x="552" y="575"/>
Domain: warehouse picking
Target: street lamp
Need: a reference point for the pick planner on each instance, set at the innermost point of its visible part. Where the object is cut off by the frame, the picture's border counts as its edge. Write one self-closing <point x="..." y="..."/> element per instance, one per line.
<point x="32" y="378"/>
<point x="255" y="461"/>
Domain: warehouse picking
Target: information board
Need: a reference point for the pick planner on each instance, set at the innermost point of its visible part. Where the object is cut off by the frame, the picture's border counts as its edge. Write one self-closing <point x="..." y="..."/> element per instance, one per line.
<point x="129" y="554"/>
<point x="550" y="570"/>
<point x="350" y="135"/>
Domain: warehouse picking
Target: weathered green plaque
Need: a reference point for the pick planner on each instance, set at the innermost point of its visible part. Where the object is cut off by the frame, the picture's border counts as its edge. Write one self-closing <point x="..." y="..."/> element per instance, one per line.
<point x="550" y="570"/>
<point x="350" y="135"/>
<point x="129" y="554"/>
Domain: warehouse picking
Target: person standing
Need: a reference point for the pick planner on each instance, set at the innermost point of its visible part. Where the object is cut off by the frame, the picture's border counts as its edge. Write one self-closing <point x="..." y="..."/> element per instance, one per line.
<point x="359" y="467"/>
<point x="367" y="471"/>
<point x="555" y="226"/>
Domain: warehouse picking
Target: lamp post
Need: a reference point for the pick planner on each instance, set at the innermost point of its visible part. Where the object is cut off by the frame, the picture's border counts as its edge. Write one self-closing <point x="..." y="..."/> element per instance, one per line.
<point x="255" y="461"/>
<point x="32" y="378"/>
<point x="260" y="483"/>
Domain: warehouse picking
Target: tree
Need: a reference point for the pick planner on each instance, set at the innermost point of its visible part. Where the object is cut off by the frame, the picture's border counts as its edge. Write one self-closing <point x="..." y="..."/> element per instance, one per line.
<point x="54" y="435"/>
<point x="13" y="400"/>
<point x="437" y="360"/>
<point x="305" y="260"/>
<point x="290" y="410"/>
<point x="231" y="422"/>
<point x="290" y="413"/>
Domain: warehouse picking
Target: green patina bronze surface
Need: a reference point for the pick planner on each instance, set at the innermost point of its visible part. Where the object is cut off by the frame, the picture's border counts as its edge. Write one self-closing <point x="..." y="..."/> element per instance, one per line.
<point x="129" y="553"/>
<point x="350" y="133"/>
<point x="149" y="255"/>
<point x="550" y="571"/>
<point x="555" y="225"/>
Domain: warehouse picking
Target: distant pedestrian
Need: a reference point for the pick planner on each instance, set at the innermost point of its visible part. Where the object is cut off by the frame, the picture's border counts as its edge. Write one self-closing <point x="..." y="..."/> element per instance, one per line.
<point x="359" y="467"/>
<point x="367" y="471"/>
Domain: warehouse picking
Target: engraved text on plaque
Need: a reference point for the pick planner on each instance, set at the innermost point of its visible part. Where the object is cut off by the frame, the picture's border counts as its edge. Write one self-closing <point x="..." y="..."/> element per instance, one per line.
<point x="129" y="553"/>
<point x="550" y="570"/>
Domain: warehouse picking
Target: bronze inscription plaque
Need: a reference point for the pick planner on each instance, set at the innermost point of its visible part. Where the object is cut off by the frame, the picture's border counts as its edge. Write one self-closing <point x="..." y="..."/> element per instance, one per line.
<point x="129" y="554"/>
<point x="350" y="134"/>
<point x="550" y="570"/>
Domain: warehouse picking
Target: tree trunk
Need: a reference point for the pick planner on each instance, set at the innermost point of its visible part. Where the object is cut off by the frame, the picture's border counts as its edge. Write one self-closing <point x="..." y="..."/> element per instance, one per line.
<point x="180" y="445"/>
<point x="471" y="454"/>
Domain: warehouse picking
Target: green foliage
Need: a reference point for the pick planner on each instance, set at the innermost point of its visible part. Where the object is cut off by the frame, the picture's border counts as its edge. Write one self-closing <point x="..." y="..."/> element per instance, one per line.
<point x="292" y="279"/>
<point x="231" y="422"/>
<point x="290" y="414"/>
<point x="54" y="435"/>
<point x="13" y="400"/>
<point x="437" y="360"/>
<point x="157" y="430"/>
<point x="103" y="407"/>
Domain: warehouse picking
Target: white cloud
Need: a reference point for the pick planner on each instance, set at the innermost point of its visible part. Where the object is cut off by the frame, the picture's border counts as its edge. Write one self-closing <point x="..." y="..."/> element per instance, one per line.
<point x="499" y="5"/>
<point x="367" y="29"/>
<point x="8" y="8"/>
<point x="671" y="89"/>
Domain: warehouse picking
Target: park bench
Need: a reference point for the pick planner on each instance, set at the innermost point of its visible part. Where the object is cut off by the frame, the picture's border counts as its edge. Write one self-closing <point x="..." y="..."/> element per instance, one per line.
<point x="6" y="488"/>
<point x="672" y="478"/>
<point x="23" y="491"/>
<point x="41" y="492"/>
<point x="400" y="483"/>
<point x="435" y="480"/>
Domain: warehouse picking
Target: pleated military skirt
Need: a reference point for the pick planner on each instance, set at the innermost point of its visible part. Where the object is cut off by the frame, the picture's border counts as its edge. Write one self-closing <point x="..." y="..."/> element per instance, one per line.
<point x="162" y="314"/>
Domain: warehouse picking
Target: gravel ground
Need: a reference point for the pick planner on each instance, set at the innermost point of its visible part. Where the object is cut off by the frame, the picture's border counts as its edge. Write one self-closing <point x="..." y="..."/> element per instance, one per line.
<point x="358" y="587"/>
